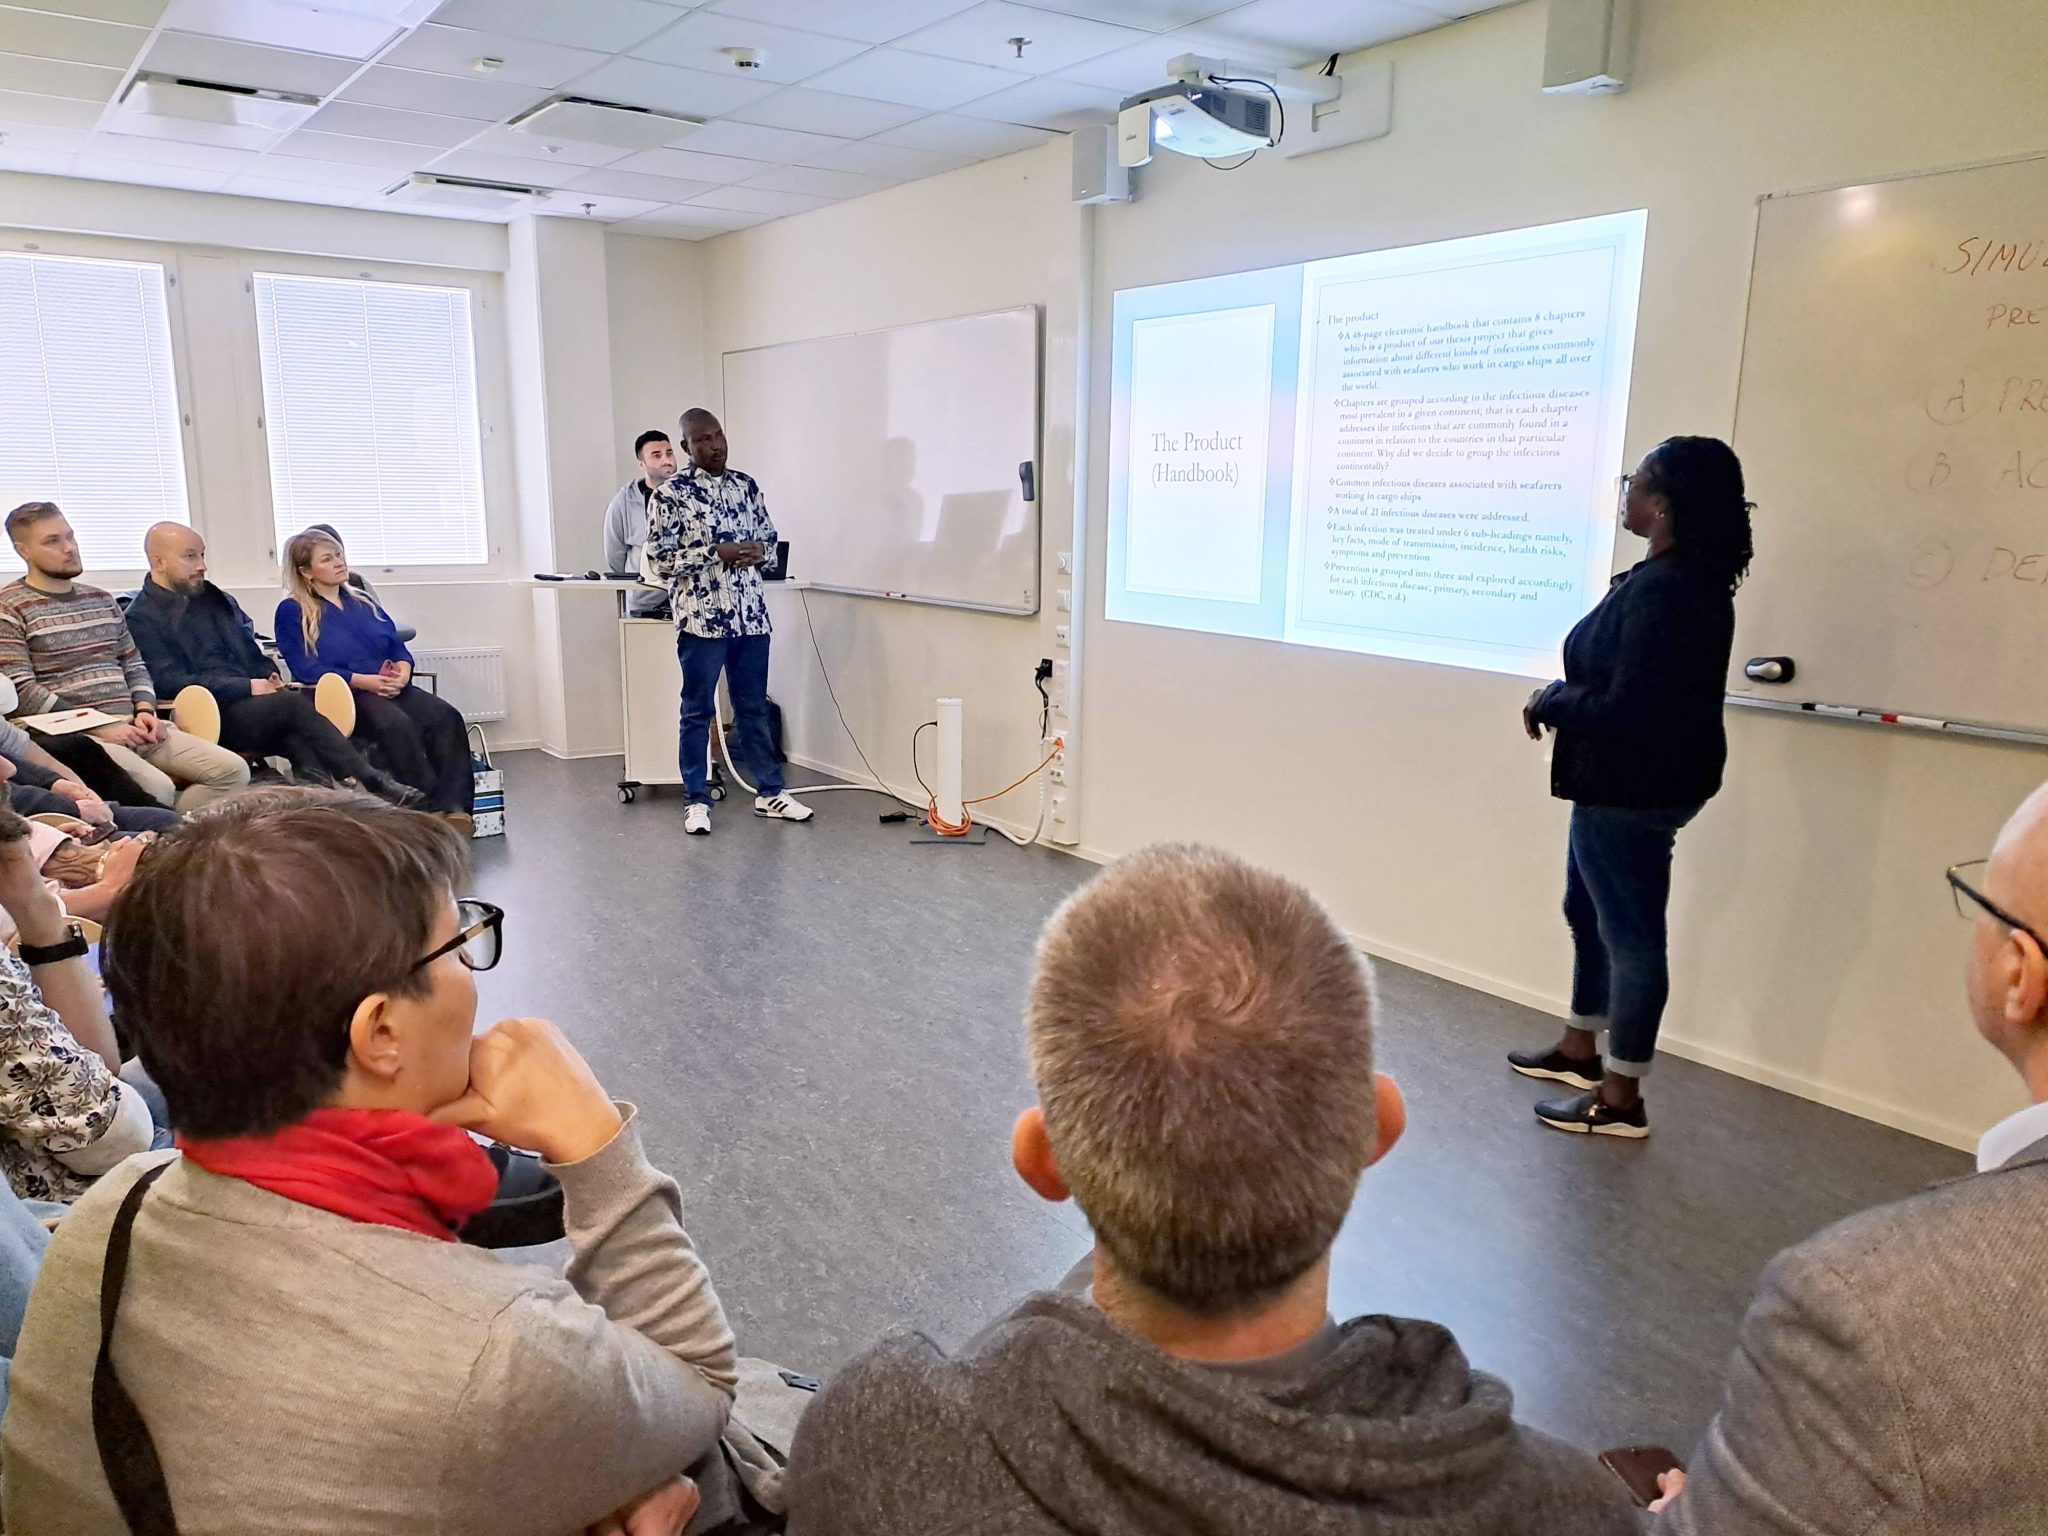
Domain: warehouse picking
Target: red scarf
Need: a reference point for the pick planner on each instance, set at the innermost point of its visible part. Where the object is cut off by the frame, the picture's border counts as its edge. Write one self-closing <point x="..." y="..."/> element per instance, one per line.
<point x="386" y="1166"/>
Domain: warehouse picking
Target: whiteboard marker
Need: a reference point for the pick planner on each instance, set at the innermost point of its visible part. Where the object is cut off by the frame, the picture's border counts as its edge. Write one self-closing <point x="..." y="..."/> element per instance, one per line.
<point x="1921" y="721"/>
<point x="1837" y="711"/>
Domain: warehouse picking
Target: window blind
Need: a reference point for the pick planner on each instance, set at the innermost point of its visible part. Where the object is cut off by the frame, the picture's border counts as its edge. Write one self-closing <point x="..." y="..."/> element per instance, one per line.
<point x="369" y="393"/>
<point x="88" y="404"/>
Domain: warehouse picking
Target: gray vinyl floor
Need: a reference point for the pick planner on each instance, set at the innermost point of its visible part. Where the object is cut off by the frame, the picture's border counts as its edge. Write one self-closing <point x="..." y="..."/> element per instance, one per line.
<point x="820" y="1025"/>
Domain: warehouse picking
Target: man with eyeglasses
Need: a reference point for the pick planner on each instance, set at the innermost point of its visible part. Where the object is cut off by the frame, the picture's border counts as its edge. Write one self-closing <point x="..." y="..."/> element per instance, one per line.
<point x="1892" y="1375"/>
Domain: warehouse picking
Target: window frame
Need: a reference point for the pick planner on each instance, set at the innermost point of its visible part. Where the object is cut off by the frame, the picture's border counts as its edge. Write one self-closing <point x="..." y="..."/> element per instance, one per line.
<point x="165" y="257"/>
<point x="481" y="303"/>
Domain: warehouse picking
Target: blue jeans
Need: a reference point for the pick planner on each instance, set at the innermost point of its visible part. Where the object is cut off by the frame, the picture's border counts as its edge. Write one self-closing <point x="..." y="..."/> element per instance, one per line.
<point x="1616" y="887"/>
<point x="22" y="1241"/>
<point x="744" y="660"/>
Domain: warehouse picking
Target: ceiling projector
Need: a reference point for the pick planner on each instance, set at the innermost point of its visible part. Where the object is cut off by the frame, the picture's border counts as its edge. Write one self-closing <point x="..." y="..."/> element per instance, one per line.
<point x="1194" y="117"/>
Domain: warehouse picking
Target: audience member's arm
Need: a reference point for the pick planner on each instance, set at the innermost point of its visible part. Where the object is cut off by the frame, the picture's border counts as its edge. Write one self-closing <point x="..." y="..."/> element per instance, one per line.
<point x="68" y="986"/>
<point x="32" y="765"/>
<point x="55" y="1094"/>
<point x="1811" y="1434"/>
<point x="141" y="687"/>
<point x="35" y="699"/>
<point x="169" y="667"/>
<point x="637" y="1357"/>
<point x="305" y="667"/>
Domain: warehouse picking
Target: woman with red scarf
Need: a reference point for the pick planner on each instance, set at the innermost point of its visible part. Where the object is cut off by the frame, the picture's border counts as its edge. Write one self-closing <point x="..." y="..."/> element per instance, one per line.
<point x="276" y="1331"/>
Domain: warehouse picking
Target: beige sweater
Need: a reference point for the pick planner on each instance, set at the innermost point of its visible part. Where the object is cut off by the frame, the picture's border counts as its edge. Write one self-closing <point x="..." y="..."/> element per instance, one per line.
<point x="304" y="1373"/>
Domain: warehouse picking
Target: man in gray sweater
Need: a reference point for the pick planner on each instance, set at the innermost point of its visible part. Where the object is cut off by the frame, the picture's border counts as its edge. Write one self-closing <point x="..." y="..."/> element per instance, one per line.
<point x="1201" y="1039"/>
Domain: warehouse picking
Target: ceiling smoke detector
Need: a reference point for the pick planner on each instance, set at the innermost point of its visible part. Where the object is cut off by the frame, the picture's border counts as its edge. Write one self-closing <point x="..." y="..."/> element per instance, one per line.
<point x="745" y="58"/>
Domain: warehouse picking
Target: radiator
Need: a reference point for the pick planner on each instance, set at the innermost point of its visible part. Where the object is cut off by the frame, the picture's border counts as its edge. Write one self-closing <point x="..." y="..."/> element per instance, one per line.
<point x="472" y="680"/>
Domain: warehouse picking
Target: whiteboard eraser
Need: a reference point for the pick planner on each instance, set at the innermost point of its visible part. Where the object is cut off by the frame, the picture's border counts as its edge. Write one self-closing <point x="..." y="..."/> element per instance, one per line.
<point x="1770" y="669"/>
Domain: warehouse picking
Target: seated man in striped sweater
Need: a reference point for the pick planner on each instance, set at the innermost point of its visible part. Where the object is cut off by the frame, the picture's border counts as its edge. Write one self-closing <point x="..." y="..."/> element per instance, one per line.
<point x="65" y="647"/>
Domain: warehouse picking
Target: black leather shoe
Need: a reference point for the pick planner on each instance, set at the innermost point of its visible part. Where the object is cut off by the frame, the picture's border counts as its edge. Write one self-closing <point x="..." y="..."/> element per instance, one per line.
<point x="528" y="1210"/>
<point x="1580" y="1072"/>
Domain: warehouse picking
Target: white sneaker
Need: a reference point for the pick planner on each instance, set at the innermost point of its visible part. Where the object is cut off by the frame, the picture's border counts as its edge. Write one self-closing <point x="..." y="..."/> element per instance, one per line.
<point x="781" y="808"/>
<point x="697" y="821"/>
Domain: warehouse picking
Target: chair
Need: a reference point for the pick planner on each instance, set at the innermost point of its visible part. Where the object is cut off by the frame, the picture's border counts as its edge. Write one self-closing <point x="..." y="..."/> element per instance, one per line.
<point x="336" y="702"/>
<point x="196" y="712"/>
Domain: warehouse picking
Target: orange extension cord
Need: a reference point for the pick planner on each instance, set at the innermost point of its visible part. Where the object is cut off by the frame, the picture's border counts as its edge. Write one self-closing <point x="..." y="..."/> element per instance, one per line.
<point x="947" y="829"/>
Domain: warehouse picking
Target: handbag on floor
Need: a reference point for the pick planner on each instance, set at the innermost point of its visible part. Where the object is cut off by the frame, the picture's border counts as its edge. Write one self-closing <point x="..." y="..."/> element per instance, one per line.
<point x="490" y="787"/>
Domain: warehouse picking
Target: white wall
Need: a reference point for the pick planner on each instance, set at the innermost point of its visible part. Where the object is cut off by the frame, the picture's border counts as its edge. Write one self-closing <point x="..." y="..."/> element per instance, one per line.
<point x="989" y="237"/>
<point x="1815" y="945"/>
<point x="656" y="291"/>
<point x="1816" y="948"/>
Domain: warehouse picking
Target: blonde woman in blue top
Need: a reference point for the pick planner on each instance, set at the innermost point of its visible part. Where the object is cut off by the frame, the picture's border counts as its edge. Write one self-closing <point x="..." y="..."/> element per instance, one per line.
<point x="325" y="625"/>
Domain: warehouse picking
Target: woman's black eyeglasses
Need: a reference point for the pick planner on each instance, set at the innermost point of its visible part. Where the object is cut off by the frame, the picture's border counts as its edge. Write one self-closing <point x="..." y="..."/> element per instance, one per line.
<point x="479" y="937"/>
<point x="1960" y="890"/>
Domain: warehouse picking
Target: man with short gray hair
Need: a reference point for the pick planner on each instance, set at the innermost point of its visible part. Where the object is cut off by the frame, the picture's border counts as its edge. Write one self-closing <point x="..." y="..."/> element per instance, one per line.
<point x="1201" y="1039"/>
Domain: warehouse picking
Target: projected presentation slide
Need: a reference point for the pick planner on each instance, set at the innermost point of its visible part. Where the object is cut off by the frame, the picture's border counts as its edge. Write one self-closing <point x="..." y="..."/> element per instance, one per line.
<point x="1410" y="453"/>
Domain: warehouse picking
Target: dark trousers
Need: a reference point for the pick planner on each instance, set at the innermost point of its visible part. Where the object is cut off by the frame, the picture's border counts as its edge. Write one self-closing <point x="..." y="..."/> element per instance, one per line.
<point x="287" y="725"/>
<point x="744" y="661"/>
<point x="83" y="759"/>
<point x="420" y="740"/>
<point x="29" y="800"/>
<point x="1617" y="885"/>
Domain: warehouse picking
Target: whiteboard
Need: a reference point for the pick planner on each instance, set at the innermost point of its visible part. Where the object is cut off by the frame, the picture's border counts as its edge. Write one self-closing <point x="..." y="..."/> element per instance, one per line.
<point x="1893" y="427"/>
<point x="897" y="462"/>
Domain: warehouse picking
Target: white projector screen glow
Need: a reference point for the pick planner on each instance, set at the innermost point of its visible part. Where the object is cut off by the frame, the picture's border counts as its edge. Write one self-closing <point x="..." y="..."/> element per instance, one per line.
<point x="1409" y="453"/>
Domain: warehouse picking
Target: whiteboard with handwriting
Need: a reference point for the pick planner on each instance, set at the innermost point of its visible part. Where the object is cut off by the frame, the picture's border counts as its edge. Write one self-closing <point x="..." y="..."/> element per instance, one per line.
<point x="1893" y="426"/>
<point x="900" y="463"/>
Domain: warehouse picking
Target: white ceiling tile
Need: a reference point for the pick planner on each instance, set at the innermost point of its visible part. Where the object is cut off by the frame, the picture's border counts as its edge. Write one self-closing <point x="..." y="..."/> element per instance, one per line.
<point x="692" y="92"/>
<point x="1061" y="105"/>
<point x="964" y="136"/>
<point x="1143" y="65"/>
<point x="596" y="207"/>
<point x="454" y="51"/>
<point x="552" y="151"/>
<point x="916" y="79"/>
<point x="229" y="63"/>
<point x="1155" y="15"/>
<point x="777" y="146"/>
<point x="819" y="183"/>
<point x="1457" y="10"/>
<point x="414" y="91"/>
<point x="870" y="21"/>
<point x="981" y="36"/>
<point x="756" y="200"/>
<point x="53" y="77"/>
<point x="1298" y="31"/>
<point x="363" y="122"/>
<point x="354" y="180"/>
<point x="849" y="117"/>
<point x="513" y="168"/>
<point x="33" y="162"/>
<point x="609" y="26"/>
<point x="18" y="107"/>
<point x="37" y="139"/>
<point x="690" y="223"/>
<point x="688" y="165"/>
<point x="616" y="183"/>
<point x="133" y="13"/>
<point x="297" y="191"/>
<point x="42" y="36"/>
<point x="889" y="162"/>
<point x="698" y="41"/>
<point x="307" y="145"/>
<point x="198" y="157"/>
<point x="284" y="24"/>
<point x="143" y="173"/>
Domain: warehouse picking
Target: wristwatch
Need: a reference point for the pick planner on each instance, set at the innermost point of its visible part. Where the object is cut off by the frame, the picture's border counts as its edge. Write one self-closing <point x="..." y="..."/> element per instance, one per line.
<point x="70" y="947"/>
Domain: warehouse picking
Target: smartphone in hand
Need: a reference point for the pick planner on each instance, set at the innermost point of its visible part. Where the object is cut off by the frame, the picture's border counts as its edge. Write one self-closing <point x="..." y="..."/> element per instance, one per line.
<point x="1639" y="1467"/>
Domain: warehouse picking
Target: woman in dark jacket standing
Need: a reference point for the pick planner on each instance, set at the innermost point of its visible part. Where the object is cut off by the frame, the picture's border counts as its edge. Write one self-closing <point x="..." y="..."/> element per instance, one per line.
<point x="1640" y="749"/>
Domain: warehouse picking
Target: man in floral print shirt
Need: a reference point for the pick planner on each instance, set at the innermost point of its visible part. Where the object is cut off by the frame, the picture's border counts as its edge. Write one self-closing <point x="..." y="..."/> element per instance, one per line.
<point x="65" y="1118"/>
<point x="708" y="537"/>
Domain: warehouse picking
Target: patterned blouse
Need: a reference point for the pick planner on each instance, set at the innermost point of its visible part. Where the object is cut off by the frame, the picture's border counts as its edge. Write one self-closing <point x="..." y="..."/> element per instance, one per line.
<point x="688" y="517"/>
<point x="55" y="1095"/>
